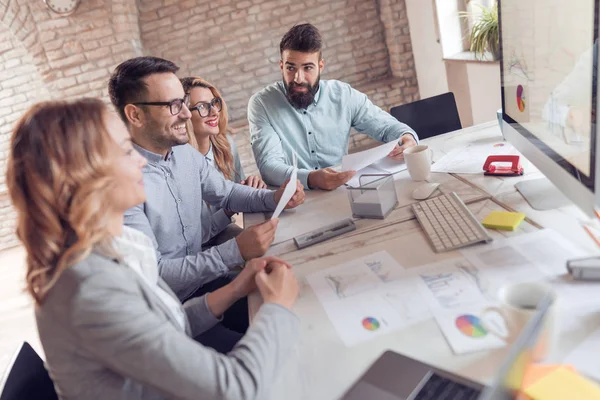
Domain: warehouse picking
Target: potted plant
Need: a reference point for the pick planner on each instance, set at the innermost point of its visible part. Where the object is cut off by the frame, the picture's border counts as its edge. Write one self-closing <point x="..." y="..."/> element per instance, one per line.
<point x="485" y="35"/>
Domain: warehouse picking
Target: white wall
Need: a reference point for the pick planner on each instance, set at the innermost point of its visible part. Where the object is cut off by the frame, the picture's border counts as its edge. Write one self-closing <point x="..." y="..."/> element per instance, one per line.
<point x="427" y="50"/>
<point x="484" y="88"/>
<point x="476" y="85"/>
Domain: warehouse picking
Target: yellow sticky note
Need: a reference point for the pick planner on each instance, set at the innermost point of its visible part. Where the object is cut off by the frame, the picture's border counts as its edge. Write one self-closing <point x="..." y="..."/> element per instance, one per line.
<point x="562" y="384"/>
<point x="536" y="372"/>
<point x="504" y="220"/>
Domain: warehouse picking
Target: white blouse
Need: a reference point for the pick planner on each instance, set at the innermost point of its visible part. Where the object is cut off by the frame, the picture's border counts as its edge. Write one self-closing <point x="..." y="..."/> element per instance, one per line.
<point x="138" y="253"/>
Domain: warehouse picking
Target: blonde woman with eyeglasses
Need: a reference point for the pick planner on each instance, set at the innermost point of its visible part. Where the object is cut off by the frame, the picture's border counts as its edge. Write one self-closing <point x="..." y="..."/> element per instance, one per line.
<point x="207" y="130"/>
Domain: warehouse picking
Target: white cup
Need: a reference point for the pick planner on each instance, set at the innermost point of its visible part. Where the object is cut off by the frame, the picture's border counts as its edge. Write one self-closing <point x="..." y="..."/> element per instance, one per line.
<point x="518" y="304"/>
<point x="418" y="162"/>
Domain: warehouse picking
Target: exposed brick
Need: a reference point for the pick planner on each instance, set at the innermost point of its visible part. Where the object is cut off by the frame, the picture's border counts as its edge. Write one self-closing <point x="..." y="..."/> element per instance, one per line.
<point x="234" y="44"/>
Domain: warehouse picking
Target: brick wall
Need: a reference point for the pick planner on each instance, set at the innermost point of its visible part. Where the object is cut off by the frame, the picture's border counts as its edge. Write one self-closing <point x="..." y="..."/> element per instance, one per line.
<point x="44" y="56"/>
<point x="234" y="44"/>
<point x="20" y="86"/>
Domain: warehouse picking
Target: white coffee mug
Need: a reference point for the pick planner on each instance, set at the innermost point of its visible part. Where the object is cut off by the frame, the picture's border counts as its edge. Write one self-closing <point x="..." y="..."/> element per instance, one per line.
<point x="518" y="304"/>
<point x="418" y="162"/>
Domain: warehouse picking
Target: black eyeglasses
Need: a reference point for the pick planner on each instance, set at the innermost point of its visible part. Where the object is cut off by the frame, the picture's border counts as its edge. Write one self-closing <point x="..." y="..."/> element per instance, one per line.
<point x="175" y="105"/>
<point x="204" y="108"/>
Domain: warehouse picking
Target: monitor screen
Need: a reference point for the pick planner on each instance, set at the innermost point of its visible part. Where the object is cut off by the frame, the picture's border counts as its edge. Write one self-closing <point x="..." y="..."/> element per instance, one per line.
<point x="548" y="70"/>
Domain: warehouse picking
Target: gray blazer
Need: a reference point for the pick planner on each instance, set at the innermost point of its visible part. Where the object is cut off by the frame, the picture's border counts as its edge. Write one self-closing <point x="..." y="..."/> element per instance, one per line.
<point x="107" y="335"/>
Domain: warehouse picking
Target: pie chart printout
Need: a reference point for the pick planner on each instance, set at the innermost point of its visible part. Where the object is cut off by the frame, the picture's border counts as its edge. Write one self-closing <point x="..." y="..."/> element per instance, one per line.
<point x="470" y="325"/>
<point x="370" y="324"/>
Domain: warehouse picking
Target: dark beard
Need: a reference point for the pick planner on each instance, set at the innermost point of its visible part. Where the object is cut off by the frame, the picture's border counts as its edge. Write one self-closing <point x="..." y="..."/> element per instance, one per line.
<point x="299" y="99"/>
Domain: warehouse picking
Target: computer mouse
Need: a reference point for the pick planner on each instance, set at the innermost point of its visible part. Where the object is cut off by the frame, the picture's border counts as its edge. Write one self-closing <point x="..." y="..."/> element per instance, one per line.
<point x="424" y="190"/>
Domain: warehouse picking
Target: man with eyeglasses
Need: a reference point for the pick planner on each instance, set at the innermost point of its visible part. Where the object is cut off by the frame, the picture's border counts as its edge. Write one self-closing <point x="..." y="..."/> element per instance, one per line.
<point x="150" y="99"/>
<point x="313" y="118"/>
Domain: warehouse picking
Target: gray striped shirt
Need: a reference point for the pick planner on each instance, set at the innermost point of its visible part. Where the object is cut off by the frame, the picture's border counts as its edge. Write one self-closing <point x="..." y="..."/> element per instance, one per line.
<point x="171" y="216"/>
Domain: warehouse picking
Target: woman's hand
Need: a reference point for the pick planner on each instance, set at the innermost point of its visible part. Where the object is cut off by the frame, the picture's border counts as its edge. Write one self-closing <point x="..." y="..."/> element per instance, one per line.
<point x="254" y="181"/>
<point x="243" y="284"/>
<point x="277" y="284"/>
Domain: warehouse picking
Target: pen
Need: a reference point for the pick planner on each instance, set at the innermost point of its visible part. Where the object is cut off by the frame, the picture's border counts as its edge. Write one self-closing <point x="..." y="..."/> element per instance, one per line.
<point x="333" y="229"/>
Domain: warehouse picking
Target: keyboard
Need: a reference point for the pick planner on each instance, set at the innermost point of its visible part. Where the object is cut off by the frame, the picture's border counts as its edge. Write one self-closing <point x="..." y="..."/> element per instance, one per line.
<point x="448" y="223"/>
<point x="439" y="388"/>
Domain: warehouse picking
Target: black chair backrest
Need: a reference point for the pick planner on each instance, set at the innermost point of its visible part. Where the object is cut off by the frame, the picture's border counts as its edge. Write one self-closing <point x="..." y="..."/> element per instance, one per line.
<point x="27" y="378"/>
<point x="430" y="117"/>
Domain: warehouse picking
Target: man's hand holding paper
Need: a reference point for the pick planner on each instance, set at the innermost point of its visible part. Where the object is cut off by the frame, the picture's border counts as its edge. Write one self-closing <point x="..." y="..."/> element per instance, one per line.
<point x="291" y="193"/>
<point x="406" y="141"/>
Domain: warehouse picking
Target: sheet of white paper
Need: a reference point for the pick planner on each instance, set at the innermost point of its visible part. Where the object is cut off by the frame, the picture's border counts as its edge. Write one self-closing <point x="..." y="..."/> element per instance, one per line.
<point x="389" y="165"/>
<point x="356" y="180"/>
<point x="469" y="159"/>
<point x="289" y="190"/>
<point x="548" y="249"/>
<point x="464" y="330"/>
<point x="357" y="161"/>
<point x="585" y="356"/>
<point x="300" y="220"/>
<point x="364" y="298"/>
<point x="451" y="284"/>
<point x="384" y="166"/>
<point x="535" y="256"/>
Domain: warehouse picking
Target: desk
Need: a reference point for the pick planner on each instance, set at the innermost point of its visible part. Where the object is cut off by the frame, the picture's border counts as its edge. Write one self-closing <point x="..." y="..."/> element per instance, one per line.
<point x="325" y="368"/>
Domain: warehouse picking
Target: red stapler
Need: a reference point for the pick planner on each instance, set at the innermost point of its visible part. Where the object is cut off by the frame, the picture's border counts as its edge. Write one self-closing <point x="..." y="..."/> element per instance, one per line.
<point x="515" y="168"/>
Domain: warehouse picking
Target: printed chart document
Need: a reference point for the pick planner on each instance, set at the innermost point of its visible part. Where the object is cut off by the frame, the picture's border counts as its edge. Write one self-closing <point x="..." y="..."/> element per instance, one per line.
<point x="469" y="159"/>
<point x="454" y="290"/>
<point x="465" y="330"/>
<point x="364" y="299"/>
<point x="374" y="295"/>
<point x="289" y="190"/>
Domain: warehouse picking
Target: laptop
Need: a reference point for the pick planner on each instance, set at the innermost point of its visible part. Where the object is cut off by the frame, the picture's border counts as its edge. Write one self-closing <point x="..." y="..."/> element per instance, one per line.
<point x="396" y="377"/>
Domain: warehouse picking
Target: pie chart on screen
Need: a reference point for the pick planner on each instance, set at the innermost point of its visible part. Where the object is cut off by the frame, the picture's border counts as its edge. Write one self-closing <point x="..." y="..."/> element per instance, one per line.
<point x="520" y="98"/>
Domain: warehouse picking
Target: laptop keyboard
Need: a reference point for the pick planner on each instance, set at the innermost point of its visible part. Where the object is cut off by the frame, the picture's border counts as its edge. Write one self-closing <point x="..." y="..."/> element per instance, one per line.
<point x="439" y="388"/>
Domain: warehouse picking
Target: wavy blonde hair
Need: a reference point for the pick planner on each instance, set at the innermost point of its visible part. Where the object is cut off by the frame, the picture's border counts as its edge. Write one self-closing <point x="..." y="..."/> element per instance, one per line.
<point x="220" y="143"/>
<point x="59" y="177"/>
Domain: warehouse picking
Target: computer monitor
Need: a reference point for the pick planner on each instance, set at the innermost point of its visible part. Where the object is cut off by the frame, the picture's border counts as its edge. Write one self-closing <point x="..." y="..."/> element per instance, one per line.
<point x="548" y="68"/>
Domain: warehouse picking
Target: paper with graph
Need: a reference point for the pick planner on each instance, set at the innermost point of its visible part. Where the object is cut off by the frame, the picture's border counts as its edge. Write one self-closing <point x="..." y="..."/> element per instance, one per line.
<point x="451" y="284"/>
<point x="374" y="295"/>
<point x="365" y="298"/>
<point x="465" y="329"/>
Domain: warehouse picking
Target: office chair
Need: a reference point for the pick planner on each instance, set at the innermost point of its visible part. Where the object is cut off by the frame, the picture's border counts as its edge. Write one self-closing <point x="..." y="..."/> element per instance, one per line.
<point x="430" y="117"/>
<point x="26" y="378"/>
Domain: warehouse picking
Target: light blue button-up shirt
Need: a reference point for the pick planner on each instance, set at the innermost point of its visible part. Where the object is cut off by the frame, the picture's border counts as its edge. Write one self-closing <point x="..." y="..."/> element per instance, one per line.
<point x="214" y="219"/>
<point x="318" y="134"/>
<point x="176" y="188"/>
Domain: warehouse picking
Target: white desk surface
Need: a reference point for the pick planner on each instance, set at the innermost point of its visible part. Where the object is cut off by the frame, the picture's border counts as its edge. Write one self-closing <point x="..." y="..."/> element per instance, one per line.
<point x="325" y="368"/>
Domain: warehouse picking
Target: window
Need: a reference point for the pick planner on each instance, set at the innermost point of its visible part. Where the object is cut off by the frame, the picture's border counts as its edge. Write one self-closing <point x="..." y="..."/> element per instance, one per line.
<point x="474" y="10"/>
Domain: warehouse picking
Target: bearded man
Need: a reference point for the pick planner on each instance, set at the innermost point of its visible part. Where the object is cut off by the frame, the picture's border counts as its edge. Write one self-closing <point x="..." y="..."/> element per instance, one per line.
<point x="313" y="118"/>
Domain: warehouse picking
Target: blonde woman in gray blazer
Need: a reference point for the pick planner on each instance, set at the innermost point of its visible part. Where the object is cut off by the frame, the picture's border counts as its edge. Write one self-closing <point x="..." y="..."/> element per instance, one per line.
<point x="110" y="327"/>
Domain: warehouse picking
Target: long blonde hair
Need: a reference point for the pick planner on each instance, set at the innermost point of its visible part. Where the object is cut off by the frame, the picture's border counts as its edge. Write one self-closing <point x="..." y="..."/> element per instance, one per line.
<point x="220" y="143"/>
<point x="58" y="180"/>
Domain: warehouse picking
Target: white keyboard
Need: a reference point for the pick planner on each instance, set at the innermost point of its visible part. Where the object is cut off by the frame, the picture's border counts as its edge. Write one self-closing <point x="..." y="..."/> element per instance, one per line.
<point x="448" y="223"/>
